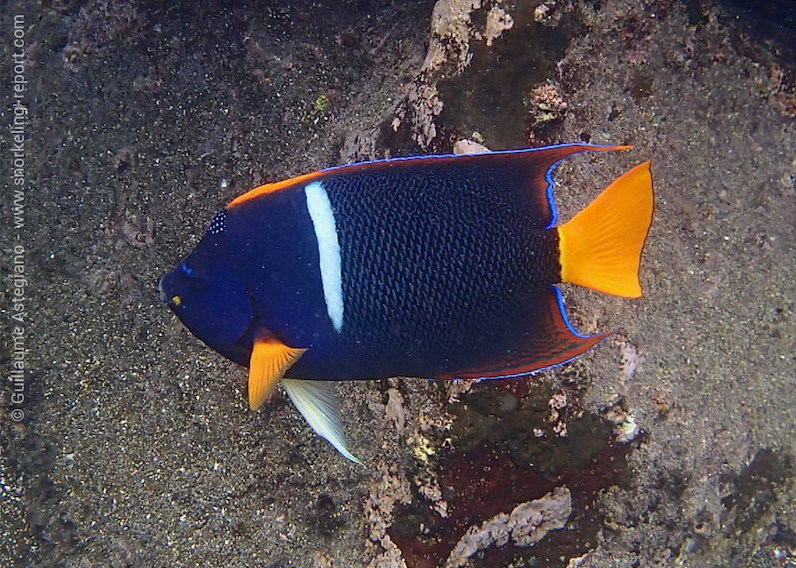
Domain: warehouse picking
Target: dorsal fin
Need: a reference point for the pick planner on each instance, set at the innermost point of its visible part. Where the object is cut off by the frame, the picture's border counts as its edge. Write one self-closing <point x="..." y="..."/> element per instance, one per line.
<point x="528" y="170"/>
<point x="272" y="187"/>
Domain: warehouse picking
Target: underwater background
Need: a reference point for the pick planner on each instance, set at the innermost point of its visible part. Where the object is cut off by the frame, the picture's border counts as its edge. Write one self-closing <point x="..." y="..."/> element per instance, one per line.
<point x="124" y="441"/>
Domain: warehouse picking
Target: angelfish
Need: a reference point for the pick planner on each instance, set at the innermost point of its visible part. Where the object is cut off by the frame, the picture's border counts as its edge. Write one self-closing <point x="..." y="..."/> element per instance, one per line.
<point x="440" y="267"/>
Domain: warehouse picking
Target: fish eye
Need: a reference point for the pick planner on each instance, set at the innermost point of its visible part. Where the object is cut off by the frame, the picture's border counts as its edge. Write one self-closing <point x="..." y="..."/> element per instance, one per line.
<point x="196" y="278"/>
<point x="176" y="301"/>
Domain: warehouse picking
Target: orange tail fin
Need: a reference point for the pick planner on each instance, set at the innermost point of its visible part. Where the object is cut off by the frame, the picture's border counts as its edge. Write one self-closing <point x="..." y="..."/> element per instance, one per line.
<point x="600" y="247"/>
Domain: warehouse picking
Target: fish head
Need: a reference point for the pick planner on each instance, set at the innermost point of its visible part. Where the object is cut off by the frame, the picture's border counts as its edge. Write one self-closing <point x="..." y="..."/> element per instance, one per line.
<point x="207" y="295"/>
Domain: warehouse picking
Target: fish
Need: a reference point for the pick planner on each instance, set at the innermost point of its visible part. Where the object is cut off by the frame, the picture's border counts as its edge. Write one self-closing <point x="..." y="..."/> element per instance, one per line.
<point x="439" y="267"/>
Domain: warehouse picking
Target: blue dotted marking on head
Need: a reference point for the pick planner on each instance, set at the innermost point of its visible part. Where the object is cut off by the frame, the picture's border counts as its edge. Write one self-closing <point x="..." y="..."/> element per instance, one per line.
<point x="218" y="224"/>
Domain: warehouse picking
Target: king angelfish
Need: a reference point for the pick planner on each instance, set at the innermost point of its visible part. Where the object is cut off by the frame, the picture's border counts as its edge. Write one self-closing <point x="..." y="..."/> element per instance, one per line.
<point x="440" y="267"/>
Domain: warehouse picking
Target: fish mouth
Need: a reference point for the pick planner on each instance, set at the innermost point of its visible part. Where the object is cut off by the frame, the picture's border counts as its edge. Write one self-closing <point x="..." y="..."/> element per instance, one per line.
<point x="163" y="296"/>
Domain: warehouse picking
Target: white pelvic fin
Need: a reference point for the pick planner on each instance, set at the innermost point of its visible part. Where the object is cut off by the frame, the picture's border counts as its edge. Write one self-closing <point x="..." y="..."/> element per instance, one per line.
<point x="317" y="402"/>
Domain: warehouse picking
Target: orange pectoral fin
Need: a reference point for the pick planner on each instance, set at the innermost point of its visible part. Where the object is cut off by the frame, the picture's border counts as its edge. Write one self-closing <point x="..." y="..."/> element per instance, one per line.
<point x="269" y="361"/>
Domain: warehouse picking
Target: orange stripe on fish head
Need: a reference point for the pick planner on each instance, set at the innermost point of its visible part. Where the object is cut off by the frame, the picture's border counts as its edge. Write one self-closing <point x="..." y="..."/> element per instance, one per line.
<point x="272" y="187"/>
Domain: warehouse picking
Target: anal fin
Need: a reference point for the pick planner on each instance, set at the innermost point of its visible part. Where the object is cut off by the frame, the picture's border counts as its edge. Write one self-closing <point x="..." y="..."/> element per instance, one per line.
<point x="550" y="341"/>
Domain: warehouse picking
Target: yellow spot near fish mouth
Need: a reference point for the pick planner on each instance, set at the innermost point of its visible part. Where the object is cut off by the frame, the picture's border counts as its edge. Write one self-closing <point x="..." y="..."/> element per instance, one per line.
<point x="176" y="300"/>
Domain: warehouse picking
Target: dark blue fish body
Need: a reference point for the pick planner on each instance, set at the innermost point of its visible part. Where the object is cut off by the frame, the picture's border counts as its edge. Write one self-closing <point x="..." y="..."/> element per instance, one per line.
<point x="437" y="267"/>
<point x="452" y="282"/>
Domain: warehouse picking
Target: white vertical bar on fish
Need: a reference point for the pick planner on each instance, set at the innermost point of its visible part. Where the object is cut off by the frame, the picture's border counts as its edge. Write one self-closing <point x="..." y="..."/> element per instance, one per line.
<point x="320" y="210"/>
